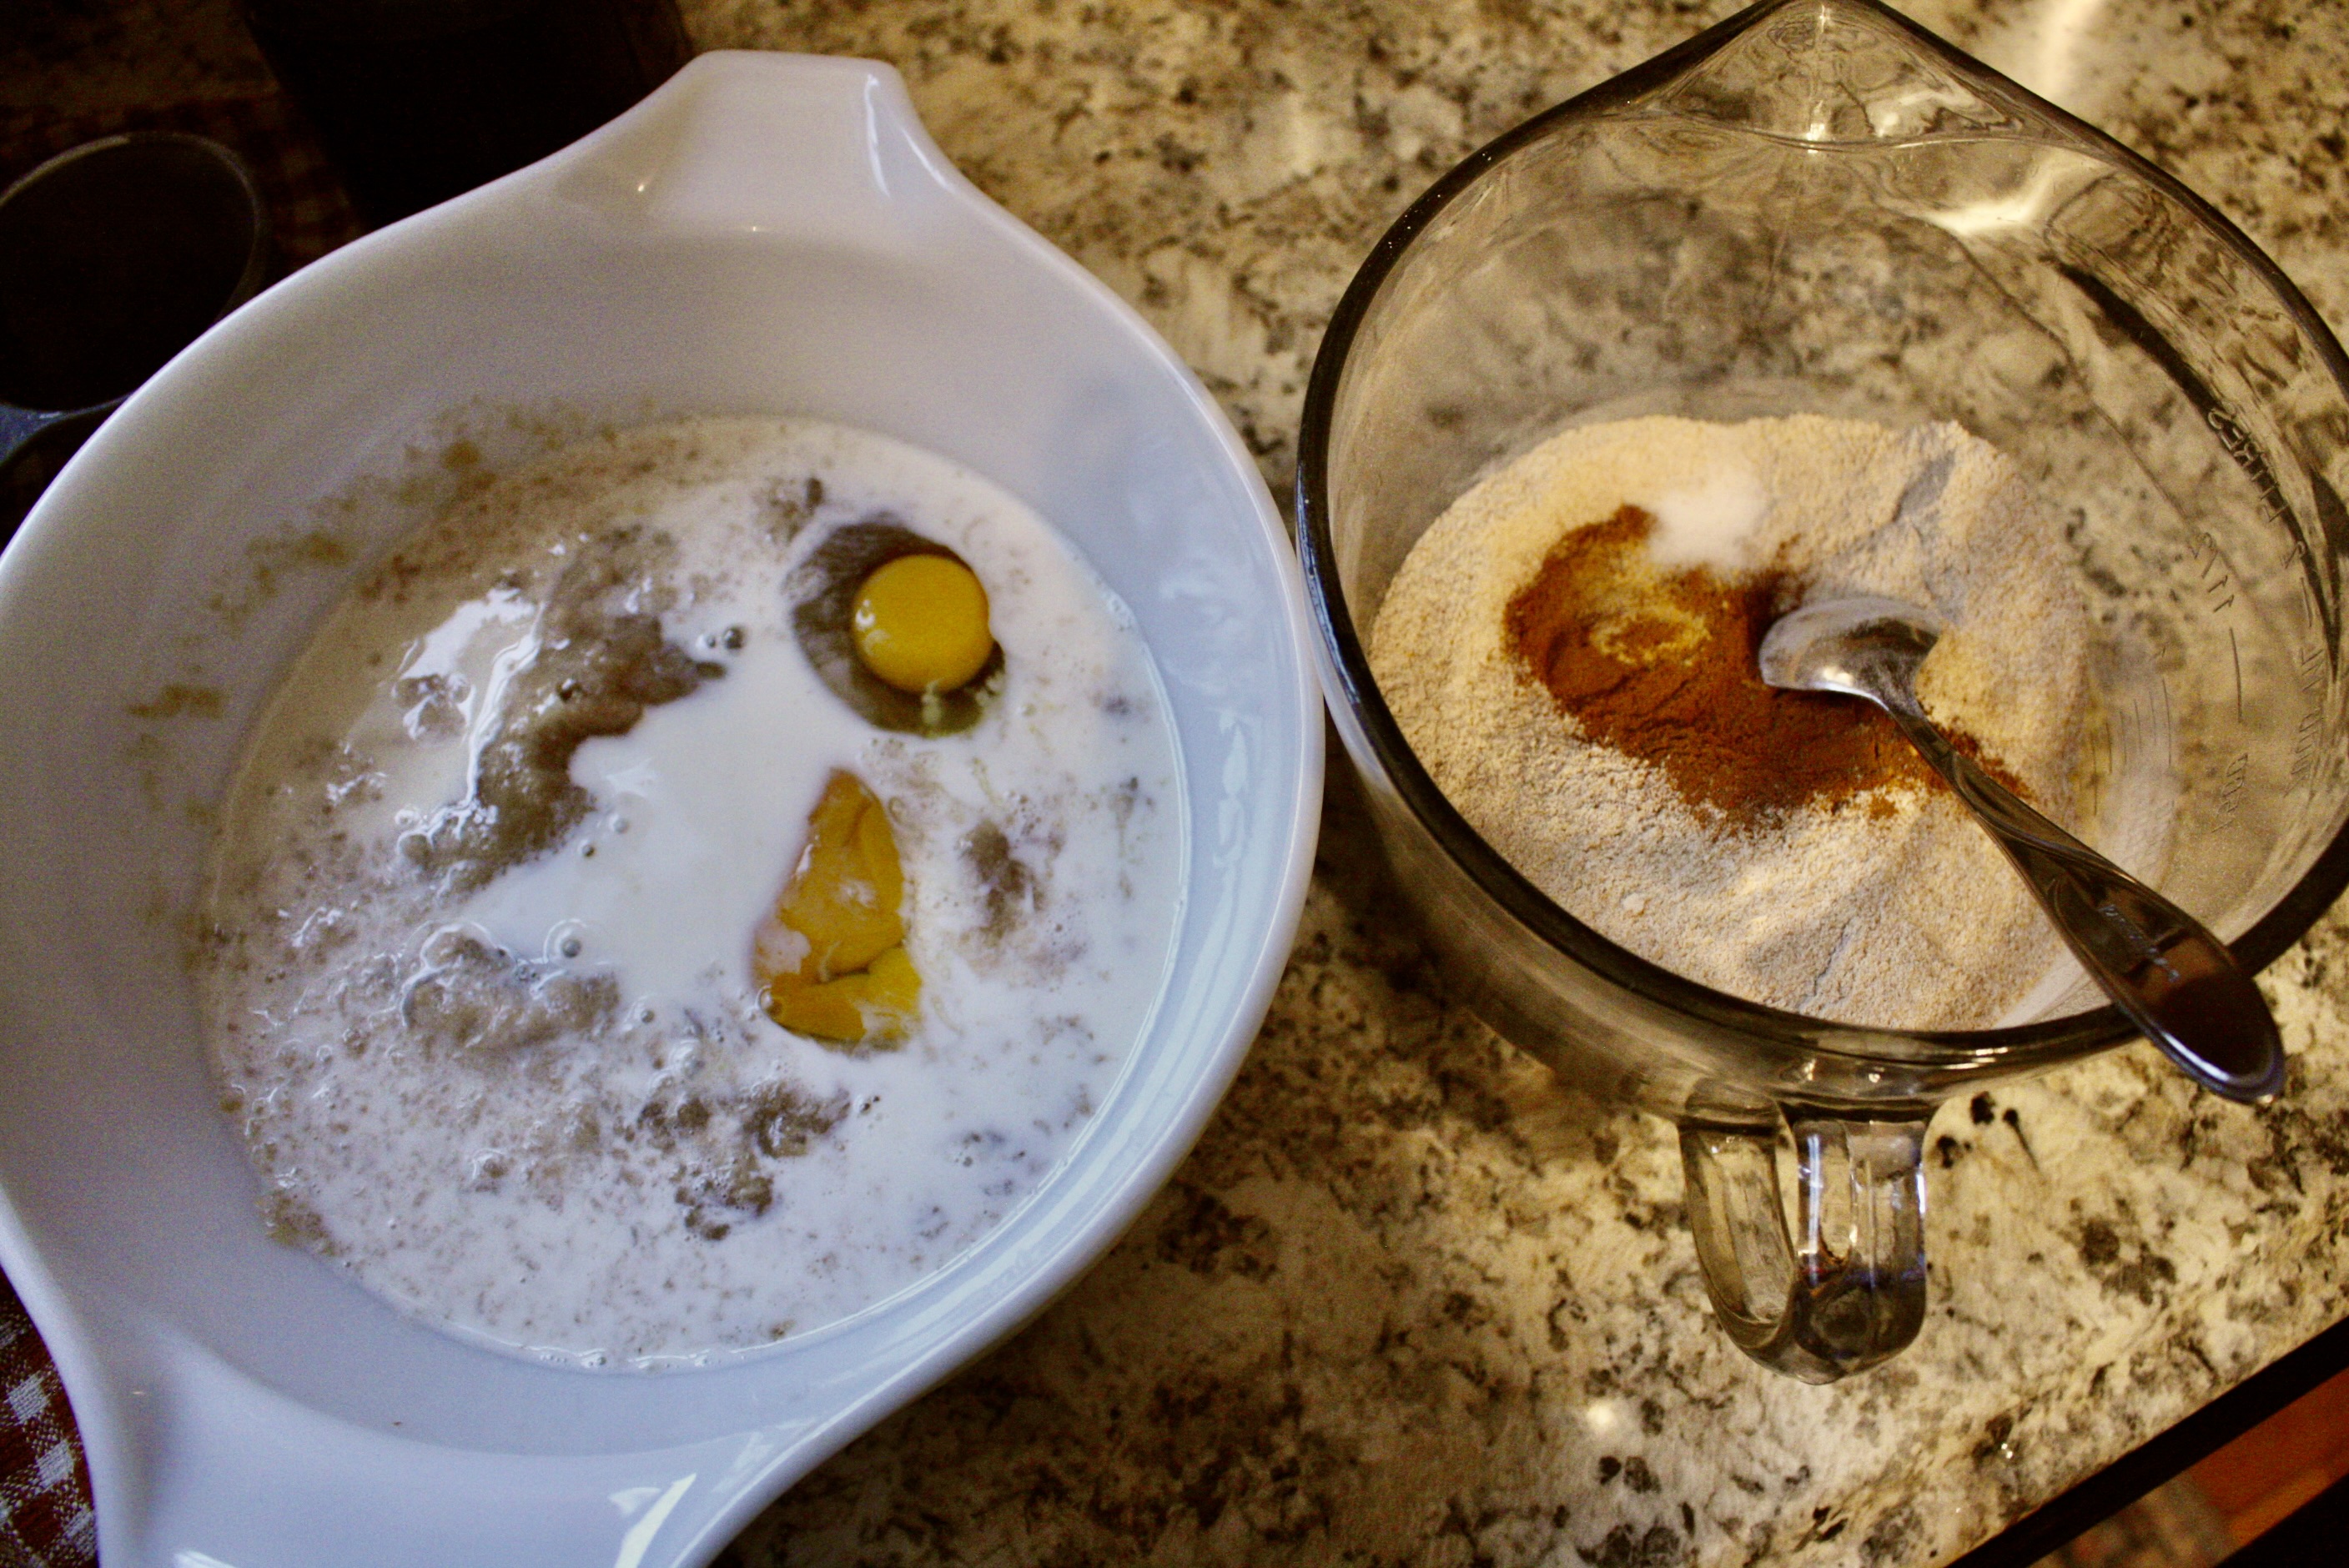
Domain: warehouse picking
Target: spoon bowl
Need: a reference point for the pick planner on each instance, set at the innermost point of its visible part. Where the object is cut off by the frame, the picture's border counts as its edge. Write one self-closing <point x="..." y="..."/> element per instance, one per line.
<point x="2160" y="966"/>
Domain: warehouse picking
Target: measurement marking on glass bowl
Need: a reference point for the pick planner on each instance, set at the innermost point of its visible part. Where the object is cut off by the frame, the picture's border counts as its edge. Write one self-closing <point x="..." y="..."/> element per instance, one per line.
<point x="2226" y="581"/>
<point x="2240" y="444"/>
<point x="2230" y="789"/>
<point x="2310" y="675"/>
<point x="2295" y="567"/>
<point x="2236" y="649"/>
<point x="2306" y="747"/>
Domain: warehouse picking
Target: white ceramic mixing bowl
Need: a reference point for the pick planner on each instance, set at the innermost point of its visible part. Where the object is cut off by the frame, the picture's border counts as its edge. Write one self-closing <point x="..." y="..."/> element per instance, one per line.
<point x="765" y="233"/>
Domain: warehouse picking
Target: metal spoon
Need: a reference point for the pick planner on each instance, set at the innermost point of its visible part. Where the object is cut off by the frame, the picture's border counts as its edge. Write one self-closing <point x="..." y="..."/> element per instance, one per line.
<point x="2173" y="979"/>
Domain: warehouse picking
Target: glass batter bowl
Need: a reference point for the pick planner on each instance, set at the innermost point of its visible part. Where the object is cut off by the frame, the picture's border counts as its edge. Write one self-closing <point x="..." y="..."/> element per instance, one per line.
<point x="1818" y="207"/>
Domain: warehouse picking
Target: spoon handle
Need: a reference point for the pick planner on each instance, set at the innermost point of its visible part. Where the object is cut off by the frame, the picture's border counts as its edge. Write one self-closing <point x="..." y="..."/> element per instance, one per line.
<point x="2159" y="966"/>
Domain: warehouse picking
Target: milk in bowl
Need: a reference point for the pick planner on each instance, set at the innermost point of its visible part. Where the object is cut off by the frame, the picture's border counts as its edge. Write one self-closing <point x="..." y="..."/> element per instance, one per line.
<point x="616" y="951"/>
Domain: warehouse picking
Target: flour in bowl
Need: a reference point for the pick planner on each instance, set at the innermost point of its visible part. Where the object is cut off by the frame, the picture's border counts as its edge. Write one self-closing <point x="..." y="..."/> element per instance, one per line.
<point x="1569" y="650"/>
<point x="561" y="811"/>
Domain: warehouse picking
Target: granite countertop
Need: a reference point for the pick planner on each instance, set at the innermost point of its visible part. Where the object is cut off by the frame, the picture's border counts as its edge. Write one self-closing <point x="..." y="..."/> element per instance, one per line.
<point x="1411" y="1300"/>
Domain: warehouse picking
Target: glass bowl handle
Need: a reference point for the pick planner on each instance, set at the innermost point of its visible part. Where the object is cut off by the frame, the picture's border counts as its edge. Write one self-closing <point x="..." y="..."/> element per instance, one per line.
<point x="1848" y="1289"/>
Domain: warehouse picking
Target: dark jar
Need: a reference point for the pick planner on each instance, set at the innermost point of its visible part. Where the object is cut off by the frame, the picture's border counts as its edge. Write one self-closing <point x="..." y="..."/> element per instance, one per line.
<point x="417" y="101"/>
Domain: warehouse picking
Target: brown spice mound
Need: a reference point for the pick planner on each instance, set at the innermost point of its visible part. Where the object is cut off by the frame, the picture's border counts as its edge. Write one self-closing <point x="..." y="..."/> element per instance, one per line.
<point x="1659" y="665"/>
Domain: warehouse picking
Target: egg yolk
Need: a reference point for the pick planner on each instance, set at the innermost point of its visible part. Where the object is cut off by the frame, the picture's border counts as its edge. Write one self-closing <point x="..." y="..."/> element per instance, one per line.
<point x="920" y="623"/>
<point x="831" y="961"/>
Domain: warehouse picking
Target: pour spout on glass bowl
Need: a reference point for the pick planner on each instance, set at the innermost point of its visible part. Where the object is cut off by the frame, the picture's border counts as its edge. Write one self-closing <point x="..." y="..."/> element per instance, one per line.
<point x="1818" y="207"/>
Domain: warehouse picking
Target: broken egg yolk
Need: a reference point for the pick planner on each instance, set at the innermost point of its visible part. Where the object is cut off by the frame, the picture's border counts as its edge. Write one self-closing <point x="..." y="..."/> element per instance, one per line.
<point x="920" y="623"/>
<point x="831" y="961"/>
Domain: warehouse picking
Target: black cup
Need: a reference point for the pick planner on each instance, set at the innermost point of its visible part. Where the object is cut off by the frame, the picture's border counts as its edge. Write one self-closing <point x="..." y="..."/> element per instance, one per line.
<point x="114" y="255"/>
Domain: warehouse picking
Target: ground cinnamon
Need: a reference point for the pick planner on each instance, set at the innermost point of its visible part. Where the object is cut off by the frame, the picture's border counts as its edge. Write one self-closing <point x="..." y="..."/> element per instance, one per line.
<point x="1659" y="664"/>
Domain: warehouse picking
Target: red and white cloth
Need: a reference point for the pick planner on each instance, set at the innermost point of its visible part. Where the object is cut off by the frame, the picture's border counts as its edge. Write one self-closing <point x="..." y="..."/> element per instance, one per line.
<point x="45" y="1514"/>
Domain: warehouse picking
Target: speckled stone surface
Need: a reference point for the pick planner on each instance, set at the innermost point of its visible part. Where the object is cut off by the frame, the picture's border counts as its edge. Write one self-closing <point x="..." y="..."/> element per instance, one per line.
<point x="1411" y="1300"/>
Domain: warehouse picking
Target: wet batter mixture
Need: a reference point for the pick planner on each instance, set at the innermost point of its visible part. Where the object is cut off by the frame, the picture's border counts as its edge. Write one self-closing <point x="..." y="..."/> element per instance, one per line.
<point x="576" y="803"/>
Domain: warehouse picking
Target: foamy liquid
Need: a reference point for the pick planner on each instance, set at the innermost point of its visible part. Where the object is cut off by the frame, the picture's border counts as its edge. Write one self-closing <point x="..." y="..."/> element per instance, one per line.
<point x="686" y="1177"/>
